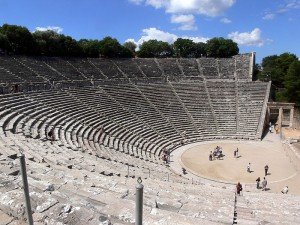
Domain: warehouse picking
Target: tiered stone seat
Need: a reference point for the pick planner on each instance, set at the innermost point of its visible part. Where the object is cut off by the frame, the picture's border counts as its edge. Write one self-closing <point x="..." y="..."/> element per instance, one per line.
<point x="130" y="97"/>
<point x="209" y="68"/>
<point x="87" y="68"/>
<point x="16" y="70"/>
<point x="81" y="180"/>
<point x="199" y="107"/>
<point x="162" y="96"/>
<point x="45" y="69"/>
<point x="129" y="67"/>
<point x="170" y="67"/>
<point x="149" y="67"/>
<point x="125" y="122"/>
<point x="37" y="65"/>
<point x="243" y="66"/>
<point x="8" y="77"/>
<point x="256" y="208"/>
<point x="64" y="68"/>
<point x="226" y="68"/>
<point x="250" y="99"/>
<point x="189" y="67"/>
<point x="223" y="99"/>
<point x="109" y="69"/>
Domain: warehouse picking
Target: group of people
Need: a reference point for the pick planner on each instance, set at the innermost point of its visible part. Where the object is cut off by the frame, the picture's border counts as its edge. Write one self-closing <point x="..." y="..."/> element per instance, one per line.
<point x="166" y="156"/>
<point x="217" y="153"/>
<point x="263" y="183"/>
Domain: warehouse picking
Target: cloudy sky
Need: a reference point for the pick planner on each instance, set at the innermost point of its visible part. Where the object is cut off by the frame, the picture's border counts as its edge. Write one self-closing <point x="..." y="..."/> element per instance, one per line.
<point x="264" y="26"/>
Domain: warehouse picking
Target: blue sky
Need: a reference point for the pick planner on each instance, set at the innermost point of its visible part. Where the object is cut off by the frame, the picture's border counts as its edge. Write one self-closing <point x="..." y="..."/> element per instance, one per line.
<point x="264" y="26"/>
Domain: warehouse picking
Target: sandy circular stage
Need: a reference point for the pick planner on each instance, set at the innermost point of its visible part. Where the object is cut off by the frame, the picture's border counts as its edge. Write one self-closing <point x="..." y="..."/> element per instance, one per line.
<point x="232" y="170"/>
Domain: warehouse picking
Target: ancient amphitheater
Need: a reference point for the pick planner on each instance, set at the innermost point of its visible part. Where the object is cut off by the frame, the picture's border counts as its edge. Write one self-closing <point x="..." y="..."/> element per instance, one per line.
<point x="112" y="119"/>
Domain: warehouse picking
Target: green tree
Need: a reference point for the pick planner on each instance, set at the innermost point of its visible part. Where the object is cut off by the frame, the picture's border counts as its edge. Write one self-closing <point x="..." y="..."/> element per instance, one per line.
<point x="280" y="71"/>
<point x="184" y="48"/>
<point x="275" y="68"/>
<point x="50" y="43"/>
<point x="221" y="48"/>
<point x="131" y="46"/>
<point x="4" y="43"/>
<point x="154" y="48"/>
<point x="292" y="83"/>
<point x="200" y="49"/>
<point x="19" y="39"/>
<point x="111" y="48"/>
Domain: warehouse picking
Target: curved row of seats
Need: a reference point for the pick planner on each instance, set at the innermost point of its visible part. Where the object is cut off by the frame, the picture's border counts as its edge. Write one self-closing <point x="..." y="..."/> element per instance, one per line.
<point x="137" y="119"/>
<point x="16" y="69"/>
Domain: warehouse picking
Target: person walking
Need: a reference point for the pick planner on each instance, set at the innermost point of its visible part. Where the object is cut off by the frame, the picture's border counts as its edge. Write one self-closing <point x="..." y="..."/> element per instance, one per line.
<point x="257" y="182"/>
<point x="264" y="184"/>
<point x="266" y="170"/>
<point x="239" y="188"/>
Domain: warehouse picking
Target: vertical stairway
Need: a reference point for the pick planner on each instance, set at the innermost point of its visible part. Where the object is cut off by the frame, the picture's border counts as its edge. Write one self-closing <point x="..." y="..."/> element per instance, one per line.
<point x="243" y="214"/>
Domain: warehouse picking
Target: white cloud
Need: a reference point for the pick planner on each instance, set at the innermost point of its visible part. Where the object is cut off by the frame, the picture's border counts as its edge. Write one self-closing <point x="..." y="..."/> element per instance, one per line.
<point x="53" y="28"/>
<point x="187" y="21"/>
<point x="196" y="39"/>
<point x="252" y="38"/>
<point x="281" y="9"/>
<point x="137" y="2"/>
<point x="269" y="16"/>
<point x="156" y="3"/>
<point x="225" y="20"/>
<point x="210" y="8"/>
<point x="154" y="33"/>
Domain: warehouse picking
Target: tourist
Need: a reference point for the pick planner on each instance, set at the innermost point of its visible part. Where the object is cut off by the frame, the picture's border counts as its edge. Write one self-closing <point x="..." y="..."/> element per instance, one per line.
<point x="239" y="188"/>
<point x="285" y="190"/>
<point x="257" y="182"/>
<point x="164" y="158"/>
<point x="266" y="170"/>
<point x="234" y="153"/>
<point x="237" y="153"/>
<point x="210" y="156"/>
<point x="264" y="184"/>
<point x="276" y="128"/>
<point x="168" y="155"/>
<point x="249" y="168"/>
<point x="51" y="135"/>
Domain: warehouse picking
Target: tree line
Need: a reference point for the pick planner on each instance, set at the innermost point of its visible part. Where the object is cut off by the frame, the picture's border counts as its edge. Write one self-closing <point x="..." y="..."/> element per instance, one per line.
<point x="284" y="72"/>
<point x="19" y="40"/>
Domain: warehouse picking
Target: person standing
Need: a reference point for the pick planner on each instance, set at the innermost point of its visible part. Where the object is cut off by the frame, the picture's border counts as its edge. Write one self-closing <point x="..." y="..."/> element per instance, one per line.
<point x="249" y="168"/>
<point x="264" y="184"/>
<point x="257" y="182"/>
<point x="266" y="170"/>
